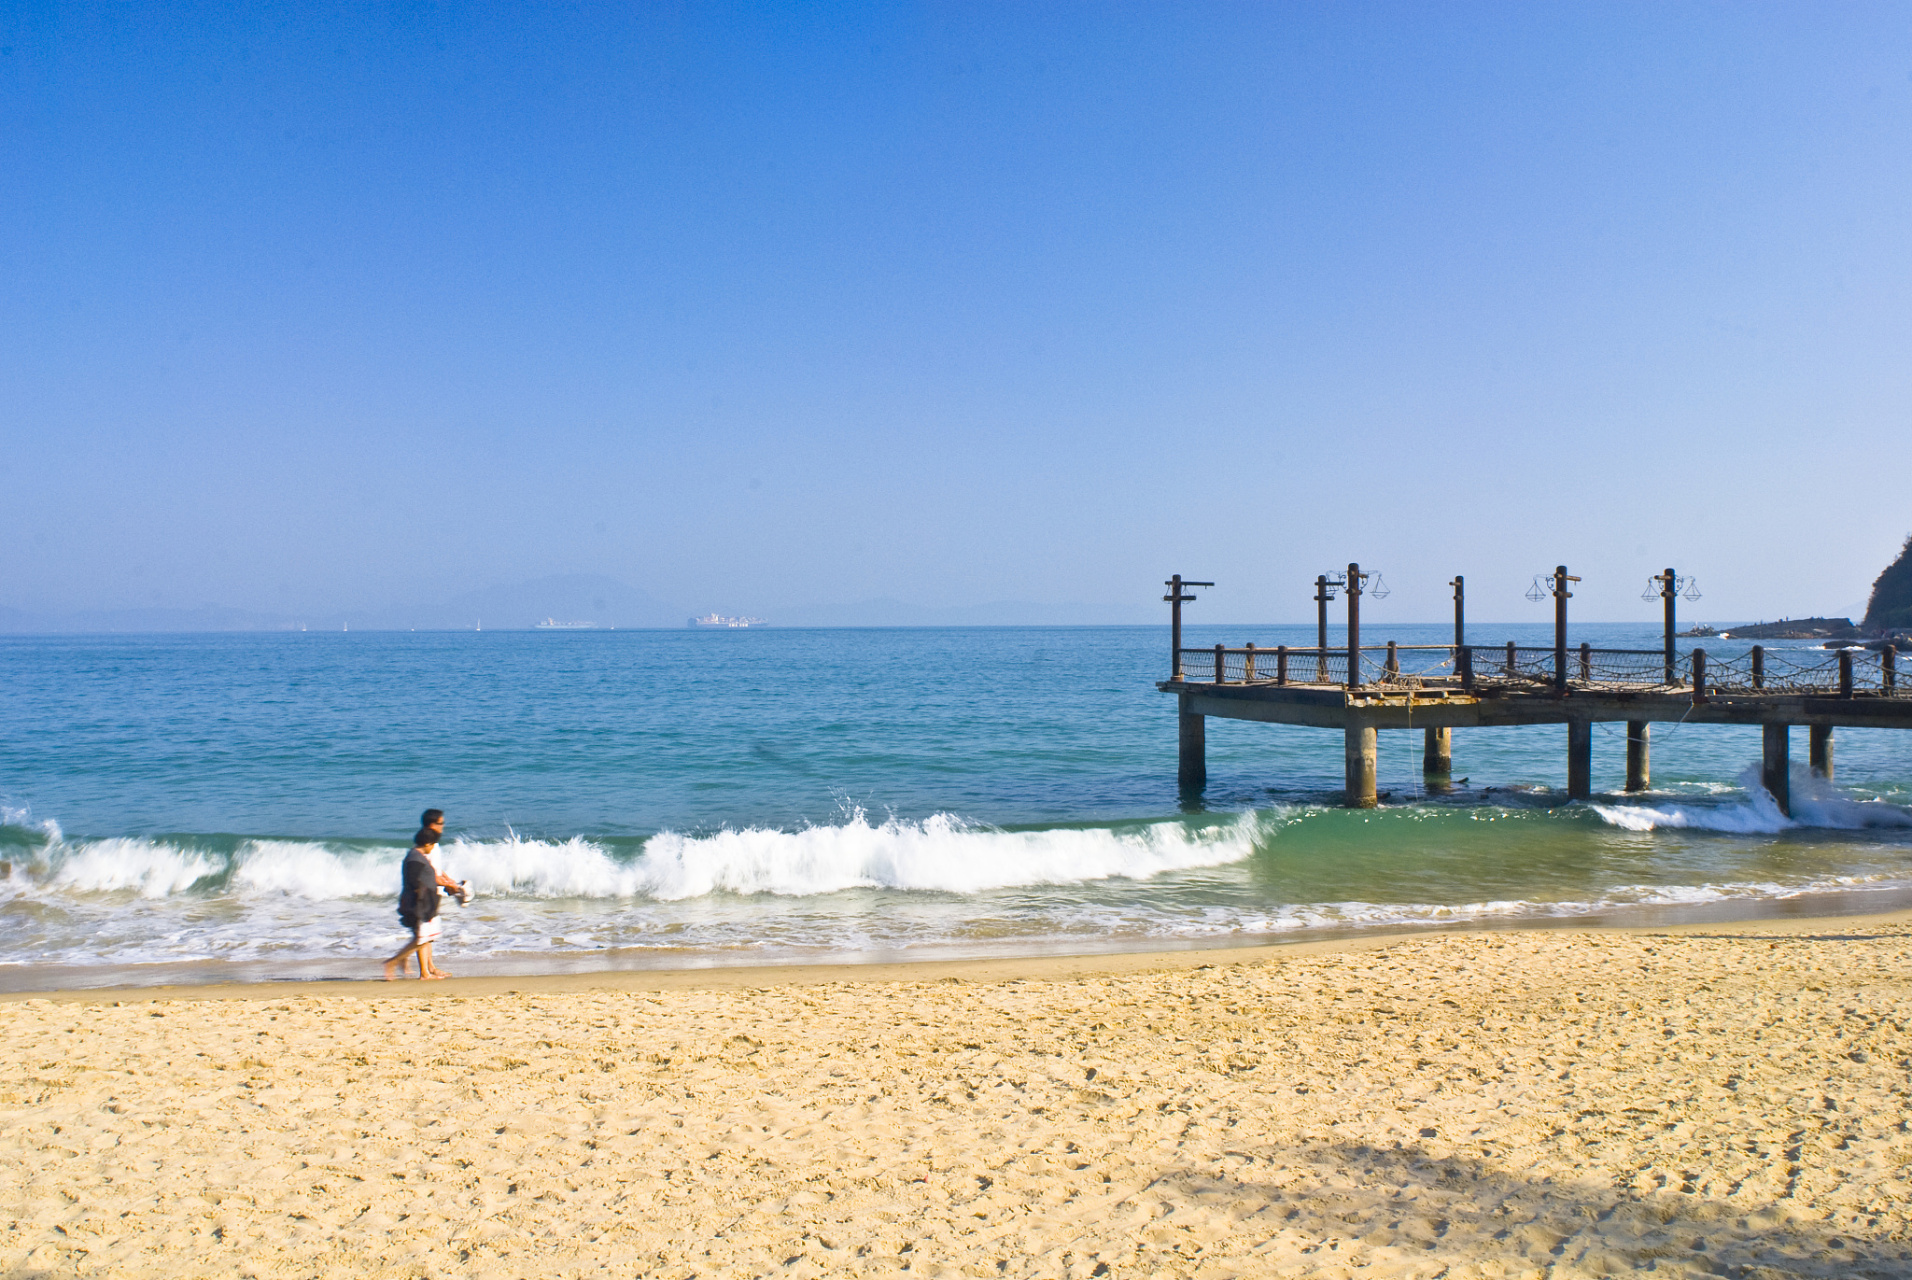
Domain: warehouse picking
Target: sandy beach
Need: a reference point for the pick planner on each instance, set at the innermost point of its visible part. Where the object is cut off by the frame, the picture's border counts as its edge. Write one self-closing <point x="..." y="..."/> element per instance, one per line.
<point x="1714" y="1100"/>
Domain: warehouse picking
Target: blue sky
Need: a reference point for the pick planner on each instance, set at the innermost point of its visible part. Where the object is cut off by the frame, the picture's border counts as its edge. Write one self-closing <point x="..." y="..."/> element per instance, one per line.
<point x="758" y="306"/>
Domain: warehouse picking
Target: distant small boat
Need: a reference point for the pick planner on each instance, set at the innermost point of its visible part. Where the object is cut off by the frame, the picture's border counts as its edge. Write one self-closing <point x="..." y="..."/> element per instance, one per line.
<point x="720" y="620"/>
<point x="552" y="624"/>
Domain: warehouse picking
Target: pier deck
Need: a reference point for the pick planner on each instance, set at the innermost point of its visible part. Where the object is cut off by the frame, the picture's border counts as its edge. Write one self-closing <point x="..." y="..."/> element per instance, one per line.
<point x="1440" y="688"/>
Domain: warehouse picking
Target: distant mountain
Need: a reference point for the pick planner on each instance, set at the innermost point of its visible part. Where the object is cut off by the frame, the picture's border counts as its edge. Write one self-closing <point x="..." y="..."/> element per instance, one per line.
<point x="575" y="597"/>
<point x="580" y="597"/>
<point x="207" y="617"/>
<point x="1004" y="613"/>
<point x="1890" y="608"/>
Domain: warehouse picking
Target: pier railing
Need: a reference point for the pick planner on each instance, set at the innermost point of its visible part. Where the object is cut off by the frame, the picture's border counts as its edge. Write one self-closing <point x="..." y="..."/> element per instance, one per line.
<point x="1509" y="667"/>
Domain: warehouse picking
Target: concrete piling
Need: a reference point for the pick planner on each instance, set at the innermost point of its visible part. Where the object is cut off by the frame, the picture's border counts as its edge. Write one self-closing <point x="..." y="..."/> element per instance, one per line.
<point x="1361" y="748"/>
<point x="1819" y="750"/>
<point x="1192" y="771"/>
<point x="1775" y="764"/>
<point x="1639" y="755"/>
<point x="1437" y="757"/>
<point x="1579" y="759"/>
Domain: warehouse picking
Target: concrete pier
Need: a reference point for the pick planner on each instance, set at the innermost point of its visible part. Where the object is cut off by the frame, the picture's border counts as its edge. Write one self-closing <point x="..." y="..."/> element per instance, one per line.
<point x="1192" y="774"/>
<point x="1361" y="749"/>
<point x="1775" y="765"/>
<point x="1639" y="755"/>
<point x="1819" y="748"/>
<point x="1437" y="688"/>
<point x="1437" y="756"/>
<point x="1579" y="759"/>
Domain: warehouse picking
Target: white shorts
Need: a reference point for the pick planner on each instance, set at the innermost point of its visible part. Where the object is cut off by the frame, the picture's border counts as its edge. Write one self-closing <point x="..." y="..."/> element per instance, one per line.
<point x="426" y="931"/>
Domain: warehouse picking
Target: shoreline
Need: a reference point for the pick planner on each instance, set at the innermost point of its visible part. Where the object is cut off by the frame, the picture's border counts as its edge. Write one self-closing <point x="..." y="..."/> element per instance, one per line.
<point x="1045" y="967"/>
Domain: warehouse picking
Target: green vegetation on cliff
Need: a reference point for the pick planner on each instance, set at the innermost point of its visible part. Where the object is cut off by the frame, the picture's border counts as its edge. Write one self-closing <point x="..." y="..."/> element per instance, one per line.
<point x="1891" y="605"/>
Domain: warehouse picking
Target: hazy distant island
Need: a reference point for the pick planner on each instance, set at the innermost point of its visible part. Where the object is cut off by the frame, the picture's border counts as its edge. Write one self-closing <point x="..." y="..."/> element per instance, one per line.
<point x="1795" y="629"/>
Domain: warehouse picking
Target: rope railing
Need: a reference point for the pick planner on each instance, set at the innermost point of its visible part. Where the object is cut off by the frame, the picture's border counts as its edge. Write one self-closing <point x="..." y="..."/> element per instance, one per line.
<point x="1396" y="667"/>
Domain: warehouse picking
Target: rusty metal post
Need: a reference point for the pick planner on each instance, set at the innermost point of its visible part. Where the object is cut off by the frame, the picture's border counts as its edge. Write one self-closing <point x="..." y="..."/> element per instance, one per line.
<point x="1354" y="625"/>
<point x="1175" y="597"/>
<point x="1192" y="767"/>
<point x="1360" y="737"/>
<point x="1579" y="759"/>
<point x="1819" y="750"/>
<point x="1845" y="673"/>
<point x="1561" y="596"/>
<point x="1221" y="667"/>
<point x="1281" y="664"/>
<point x="1671" y="596"/>
<point x="1699" y="675"/>
<point x="1639" y="755"/>
<point x="1248" y="664"/>
<point x="1510" y="658"/>
<point x="1586" y="662"/>
<point x="1759" y="666"/>
<point x="1467" y="667"/>
<point x="1775" y="766"/>
<point x="1394" y="658"/>
<point x="1460" y="610"/>
<point x="1321" y="628"/>
<point x="1889" y="667"/>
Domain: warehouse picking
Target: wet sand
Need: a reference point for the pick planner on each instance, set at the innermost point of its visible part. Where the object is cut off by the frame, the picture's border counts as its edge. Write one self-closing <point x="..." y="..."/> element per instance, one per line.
<point x="1711" y="1099"/>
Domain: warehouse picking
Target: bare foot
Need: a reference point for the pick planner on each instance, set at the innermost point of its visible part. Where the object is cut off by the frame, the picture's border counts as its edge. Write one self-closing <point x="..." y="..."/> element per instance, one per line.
<point x="432" y="977"/>
<point x="391" y="971"/>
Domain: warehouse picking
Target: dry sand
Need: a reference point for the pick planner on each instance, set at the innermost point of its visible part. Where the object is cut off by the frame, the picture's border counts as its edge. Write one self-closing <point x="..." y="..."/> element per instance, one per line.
<point x="1725" y="1100"/>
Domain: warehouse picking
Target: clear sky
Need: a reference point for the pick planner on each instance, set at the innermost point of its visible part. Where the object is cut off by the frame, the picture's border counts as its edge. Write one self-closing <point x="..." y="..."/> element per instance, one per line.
<point x="318" y="306"/>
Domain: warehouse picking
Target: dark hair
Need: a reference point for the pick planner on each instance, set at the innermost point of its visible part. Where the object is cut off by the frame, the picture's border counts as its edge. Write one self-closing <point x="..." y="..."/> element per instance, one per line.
<point x="430" y="816"/>
<point x="425" y="838"/>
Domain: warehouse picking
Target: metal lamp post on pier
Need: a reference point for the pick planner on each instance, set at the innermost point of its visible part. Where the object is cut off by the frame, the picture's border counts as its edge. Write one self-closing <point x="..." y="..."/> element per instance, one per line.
<point x="1192" y="764"/>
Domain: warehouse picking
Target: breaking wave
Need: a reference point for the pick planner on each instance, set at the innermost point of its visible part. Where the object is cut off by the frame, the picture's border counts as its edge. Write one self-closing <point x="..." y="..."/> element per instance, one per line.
<point x="939" y="853"/>
<point x="1815" y="803"/>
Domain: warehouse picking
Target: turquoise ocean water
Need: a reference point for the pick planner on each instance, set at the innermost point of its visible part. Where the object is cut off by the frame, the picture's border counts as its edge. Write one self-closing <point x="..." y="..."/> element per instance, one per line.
<point x="187" y="808"/>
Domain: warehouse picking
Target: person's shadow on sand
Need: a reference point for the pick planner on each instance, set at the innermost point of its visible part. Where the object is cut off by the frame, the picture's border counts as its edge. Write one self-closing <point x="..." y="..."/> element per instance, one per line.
<point x="1336" y="1209"/>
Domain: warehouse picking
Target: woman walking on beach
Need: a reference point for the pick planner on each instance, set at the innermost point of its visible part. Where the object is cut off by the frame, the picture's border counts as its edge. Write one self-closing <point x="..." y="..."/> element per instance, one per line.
<point x="418" y="898"/>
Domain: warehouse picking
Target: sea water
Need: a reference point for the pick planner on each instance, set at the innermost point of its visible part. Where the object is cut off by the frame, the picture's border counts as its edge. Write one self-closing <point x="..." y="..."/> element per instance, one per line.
<point x="195" y="808"/>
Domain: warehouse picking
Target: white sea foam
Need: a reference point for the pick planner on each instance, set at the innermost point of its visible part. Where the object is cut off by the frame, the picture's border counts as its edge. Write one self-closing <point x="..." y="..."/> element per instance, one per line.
<point x="1756" y="815"/>
<point x="23" y="817"/>
<point x="938" y="853"/>
<point x="1814" y="802"/>
<point x="149" y="869"/>
<point x="574" y="868"/>
<point x="305" y="870"/>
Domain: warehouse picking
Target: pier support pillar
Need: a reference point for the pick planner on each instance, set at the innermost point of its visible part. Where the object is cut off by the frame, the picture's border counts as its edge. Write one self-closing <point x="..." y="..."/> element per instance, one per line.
<point x="1437" y="758"/>
<point x="1639" y="755"/>
<point x="1191" y="772"/>
<point x="1775" y="765"/>
<point x="1820" y="749"/>
<point x="1579" y="759"/>
<point x="1361" y="759"/>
